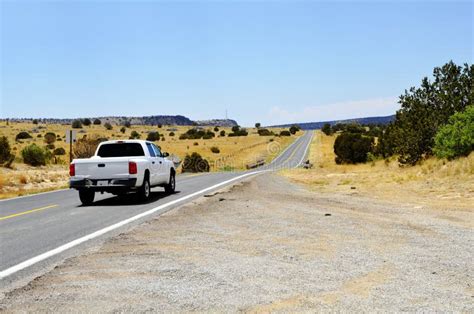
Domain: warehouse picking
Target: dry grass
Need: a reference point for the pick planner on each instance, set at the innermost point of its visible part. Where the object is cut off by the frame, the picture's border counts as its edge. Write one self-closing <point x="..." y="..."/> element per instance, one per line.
<point x="434" y="183"/>
<point x="235" y="152"/>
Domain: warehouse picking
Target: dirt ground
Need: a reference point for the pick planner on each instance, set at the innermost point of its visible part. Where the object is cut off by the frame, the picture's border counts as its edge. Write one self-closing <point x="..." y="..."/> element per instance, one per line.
<point x="269" y="245"/>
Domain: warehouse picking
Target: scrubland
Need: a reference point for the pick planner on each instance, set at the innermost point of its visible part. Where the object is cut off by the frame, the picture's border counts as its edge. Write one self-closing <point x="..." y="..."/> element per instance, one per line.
<point x="433" y="183"/>
<point x="235" y="152"/>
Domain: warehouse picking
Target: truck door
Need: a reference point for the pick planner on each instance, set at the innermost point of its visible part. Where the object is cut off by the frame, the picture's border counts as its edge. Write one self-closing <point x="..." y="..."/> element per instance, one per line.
<point x="155" y="165"/>
<point x="163" y="172"/>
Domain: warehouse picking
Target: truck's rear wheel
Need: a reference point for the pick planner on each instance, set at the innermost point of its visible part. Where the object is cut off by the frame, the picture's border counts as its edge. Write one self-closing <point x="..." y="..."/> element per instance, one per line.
<point x="171" y="186"/>
<point x="86" y="197"/>
<point x="145" y="190"/>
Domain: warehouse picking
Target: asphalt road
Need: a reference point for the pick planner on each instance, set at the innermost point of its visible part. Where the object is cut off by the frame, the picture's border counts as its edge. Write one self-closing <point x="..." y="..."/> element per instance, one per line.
<point x="33" y="226"/>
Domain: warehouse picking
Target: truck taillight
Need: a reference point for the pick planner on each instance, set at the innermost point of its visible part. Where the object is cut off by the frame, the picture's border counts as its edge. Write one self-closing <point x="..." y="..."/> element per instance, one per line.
<point x="72" y="170"/>
<point x="132" y="167"/>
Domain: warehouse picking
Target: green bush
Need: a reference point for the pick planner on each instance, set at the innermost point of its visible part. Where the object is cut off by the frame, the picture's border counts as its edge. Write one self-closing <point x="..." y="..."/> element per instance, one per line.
<point x="97" y="122"/>
<point x="86" y="122"/>
<point x="457" y="137"/>
<point x="108" y="126"/>
<point x="35" y="156"/>
<point x="285" y="133"/>
<point x="352" y="147"/>
<point x="23" y="136"/>
<point x="222" y="133"/>
<point x="293" y="129"/>
<point x="194" y="134"/>
<point x="171" y="134"/>
<point x="215" y="150"/>
<point x="50" y="146"/>
<point x="76" y="124"/>
<point x="5" y="150"/>
<point x="237" y="131"/>
<point x="59" y="151"/>
<point x="153" y="136"/>
<point x="265" y="132"/>
<point x="134" y="135"/>
<point x="326" y="129"/>
<point x="123" y="129"/>
<point x="195" y="163"/>
<point x="216" y="129"/>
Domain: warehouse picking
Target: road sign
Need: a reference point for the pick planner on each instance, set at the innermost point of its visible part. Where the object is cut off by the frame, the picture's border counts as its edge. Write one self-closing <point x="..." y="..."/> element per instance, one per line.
<point x="71" y="136"/>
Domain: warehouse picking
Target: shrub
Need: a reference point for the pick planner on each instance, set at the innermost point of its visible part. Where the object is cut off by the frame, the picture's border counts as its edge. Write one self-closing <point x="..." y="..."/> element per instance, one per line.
<point x="86" y="147"/>
<point x="258" y="125"/>
<point x="108" y="126"/>
<point x="285" y="133"/>
<point x="39" y="135"/>
<point x="237" y="131"/>
<point x="49" y="138"/>
<point x="59" y="151"/>
<point x="76" y="124"/>
<point x="5" y="151"/>
<point x="86" y="122"/>
<point x="134" y="135"/>
<point x="456" y="138"/>
<point x="264" y="132"/>
<point x="35" y="121"/>
<point x="153" y="136"/>
<point x="216" y="129"/>
<point x="215" y="150"/>
<point x="326" y="129"/>
<point x="194" y="134"/>
<point x="222" y="133"/>
<point x="160" y="126"/>
<point x="171" y="134"/>
<point x="50" y="146"/>
<point x="196" y="144"/>
<point x="195" y="163"/>
<point x="23" y="136"/>
<point x="127" y="124"/>
<point x="293" y="129"/>
<point x="97" y="122"/>
<point x="35" y="156"/>
<point x="123" y="129"/>
<point x="352" y="147"/>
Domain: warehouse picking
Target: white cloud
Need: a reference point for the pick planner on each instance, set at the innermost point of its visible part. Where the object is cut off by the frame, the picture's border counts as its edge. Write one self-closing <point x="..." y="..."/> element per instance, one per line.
<point x="335" y="111"/>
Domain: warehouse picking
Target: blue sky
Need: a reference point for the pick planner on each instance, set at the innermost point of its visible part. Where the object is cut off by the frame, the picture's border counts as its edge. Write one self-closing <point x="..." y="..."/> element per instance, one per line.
<point x="272" y="62"/>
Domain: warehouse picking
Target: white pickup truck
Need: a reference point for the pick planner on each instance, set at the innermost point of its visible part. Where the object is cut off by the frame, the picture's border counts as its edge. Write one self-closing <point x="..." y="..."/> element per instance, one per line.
<point x="120" y="167"/>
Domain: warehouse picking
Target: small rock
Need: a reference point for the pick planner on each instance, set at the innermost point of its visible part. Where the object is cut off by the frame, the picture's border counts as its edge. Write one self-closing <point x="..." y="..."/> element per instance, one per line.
<point x="327" y="214"/>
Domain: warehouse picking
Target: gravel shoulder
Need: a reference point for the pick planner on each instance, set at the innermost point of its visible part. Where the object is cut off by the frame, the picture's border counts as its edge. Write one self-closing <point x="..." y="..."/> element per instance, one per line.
<point x="268" y="245"/>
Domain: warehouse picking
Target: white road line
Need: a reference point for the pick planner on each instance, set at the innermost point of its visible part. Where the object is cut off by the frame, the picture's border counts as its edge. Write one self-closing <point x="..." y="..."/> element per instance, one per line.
<point x="9" y="271"/>
<point x="306" y="150"/>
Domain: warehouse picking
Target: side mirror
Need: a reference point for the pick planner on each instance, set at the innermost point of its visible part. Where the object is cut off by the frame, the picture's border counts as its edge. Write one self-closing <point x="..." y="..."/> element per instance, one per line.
<point x="166" y="154"/>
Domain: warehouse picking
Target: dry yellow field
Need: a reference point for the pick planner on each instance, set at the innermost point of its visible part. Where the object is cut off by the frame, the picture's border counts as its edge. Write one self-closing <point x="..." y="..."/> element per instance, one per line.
<point x="434" y="183"/>
<point x="235" y="152"/>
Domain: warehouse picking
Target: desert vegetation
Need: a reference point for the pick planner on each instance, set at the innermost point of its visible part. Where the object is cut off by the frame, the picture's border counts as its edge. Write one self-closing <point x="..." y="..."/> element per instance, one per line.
<point x="50" y="170"/>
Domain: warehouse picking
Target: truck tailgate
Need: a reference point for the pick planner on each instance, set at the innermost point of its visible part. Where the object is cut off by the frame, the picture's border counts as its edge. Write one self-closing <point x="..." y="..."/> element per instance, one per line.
<point x="109" y="168"/>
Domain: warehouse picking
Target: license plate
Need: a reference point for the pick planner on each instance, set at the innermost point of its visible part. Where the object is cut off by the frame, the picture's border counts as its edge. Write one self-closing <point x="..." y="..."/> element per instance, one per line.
<point x="102" y="183"/>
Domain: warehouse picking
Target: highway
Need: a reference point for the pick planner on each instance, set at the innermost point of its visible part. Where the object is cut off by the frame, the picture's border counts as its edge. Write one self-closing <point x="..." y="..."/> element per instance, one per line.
<point x="38" y="230"/>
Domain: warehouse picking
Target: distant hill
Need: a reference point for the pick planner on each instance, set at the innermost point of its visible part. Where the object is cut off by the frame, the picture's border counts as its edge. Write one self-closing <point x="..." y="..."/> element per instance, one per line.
<point x="145" y="120"/>
<point x="217" y="122"/>
<point x="319" y="125"/>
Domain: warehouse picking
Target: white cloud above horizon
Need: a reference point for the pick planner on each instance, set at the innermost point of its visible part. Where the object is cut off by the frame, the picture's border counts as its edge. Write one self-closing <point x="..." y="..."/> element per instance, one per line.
<point x="335" y="111"/>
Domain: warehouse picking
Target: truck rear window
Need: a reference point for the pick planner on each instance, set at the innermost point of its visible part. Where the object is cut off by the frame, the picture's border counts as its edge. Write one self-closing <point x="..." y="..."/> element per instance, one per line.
<point x="121" y="150"/>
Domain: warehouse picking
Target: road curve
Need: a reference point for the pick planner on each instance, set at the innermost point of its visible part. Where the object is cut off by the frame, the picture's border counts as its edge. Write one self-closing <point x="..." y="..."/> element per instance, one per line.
<point x="33" y="226"/>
